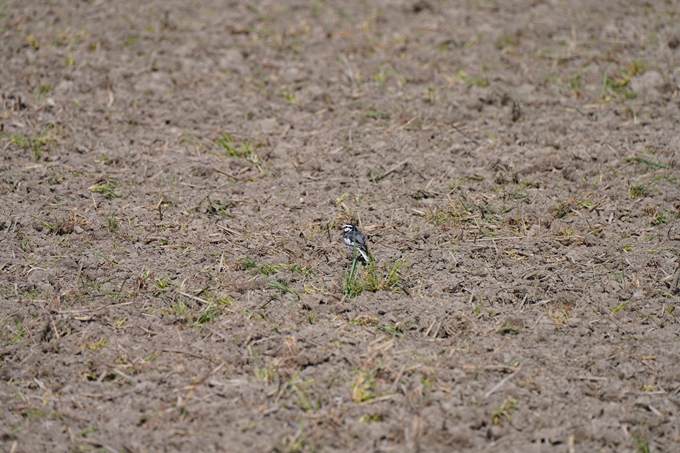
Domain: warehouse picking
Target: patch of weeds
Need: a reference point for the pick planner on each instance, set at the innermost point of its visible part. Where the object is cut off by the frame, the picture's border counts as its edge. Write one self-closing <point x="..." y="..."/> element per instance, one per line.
<point x="671" y="179"/>
<point x="143" y="278"/>
<point x="69" y="60"/>
<point x="561" y="210"/>
<point x="105" y="159"/>
<point x="220" y="207"/>
<point x="428" y="382"/>
<point x="566" y="236"/>
<point x="163" y="282"/>
<point x="572" y="205"/>
<point x="372" y="278"/>
<point x="377" y="114"/>
<point x="627" y="247"/>
<point x="178" y="308"/>
<point x="479" y="371"/>
<point x="446" y="219"/>
<point x="313" y="289"/>
<point x="102" y="256"/>
<point x="42" y="90"/>
<point x="130" y="40"/>
<point x="619" y="278"/>
<point x="481" y="82"/>
<point x="617" y="84"/>
<point x="575" y="82"/>
<point x="646" y="159"/>
<point x="507" y="40"/>
<point x="97" y="345"/>
<point x="619" y="307"/>
<point x="298" y="443"/>
<point x="454" y="185"/>
<point x="269" y="269"/>
<point x="637" y="190"/>
<point x="363" y="385"/>
<point x="107" y="188"/>
<point x="36" y="144"/>
<point x="226" y="142"/>
<point x="146" y="417"/>
<point x="473" y="39"/>
<point x="55" y="177"/>
<point x="659" y="217"/>
<point x="18" y="334"/>
<point x="303" y="400"/>
<point x="387" y="69"/>
<point x="508" y="328"/>
<point x="248" y="263"/>
<point x="370" y="321"/>
<point x="641" y="445"/>
<point x="282" y="287"/>
<point x="391" y="329"/>
<point x="47" y="225"/>
<point x="224" y="301"/>
<point x="504" y="411"/>
<point x="301" y="270"/>
<point x="208" y="315"/>
<point x="289" y="96"/>
<point x="32" y="40"/>
<point x="192" y="140"/>
<point x="112" y="223"/>
<point x="268" y="373"/>
<point x="558" y="317"/>
<point x="249" y="153"/>
<point x="315" y="7"/>
<point x="246" y="150"/>
<point x="151" y="357"/>
<point x="32" y="413"/>
<point x="249" y="426"/>
<point x="87" y="431"/>
<point x="370" y="418"/>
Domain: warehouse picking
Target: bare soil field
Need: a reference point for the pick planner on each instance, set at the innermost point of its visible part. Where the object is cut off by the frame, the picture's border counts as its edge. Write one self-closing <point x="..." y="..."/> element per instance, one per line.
<point x="173" y="176"/>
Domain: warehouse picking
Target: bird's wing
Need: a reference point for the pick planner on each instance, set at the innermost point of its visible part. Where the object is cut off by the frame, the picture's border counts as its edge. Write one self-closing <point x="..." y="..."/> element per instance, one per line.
<point x="361" y="240"/>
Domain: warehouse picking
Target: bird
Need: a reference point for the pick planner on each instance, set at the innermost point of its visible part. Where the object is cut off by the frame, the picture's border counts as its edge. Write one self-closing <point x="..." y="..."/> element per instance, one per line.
<point x="355" y="242"/>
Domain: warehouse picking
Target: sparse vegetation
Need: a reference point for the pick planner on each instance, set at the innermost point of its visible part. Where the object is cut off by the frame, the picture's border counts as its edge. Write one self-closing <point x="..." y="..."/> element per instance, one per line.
<point x="372" y="277"/>
<point x="504" y="411"/>
<point x="363" y="385"/>
<point x="107" y="188"/>
<point x="282" y="287"/>
<point x="617" y="84"/>
<point x="246" y="150"/>
<point x="637" y="190"/>
<point x="38" y="143"/>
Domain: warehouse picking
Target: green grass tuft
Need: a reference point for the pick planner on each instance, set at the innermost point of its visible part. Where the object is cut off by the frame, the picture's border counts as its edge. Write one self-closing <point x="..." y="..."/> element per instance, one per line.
<point x="372" y="278"/>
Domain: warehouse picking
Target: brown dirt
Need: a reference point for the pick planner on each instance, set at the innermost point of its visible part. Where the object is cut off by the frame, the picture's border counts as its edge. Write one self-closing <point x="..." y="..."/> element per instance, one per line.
<point x="172" y="180"/>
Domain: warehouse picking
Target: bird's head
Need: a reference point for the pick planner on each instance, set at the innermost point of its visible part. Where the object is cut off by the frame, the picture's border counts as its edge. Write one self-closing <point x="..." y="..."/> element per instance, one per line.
<point x="348" y="227"/>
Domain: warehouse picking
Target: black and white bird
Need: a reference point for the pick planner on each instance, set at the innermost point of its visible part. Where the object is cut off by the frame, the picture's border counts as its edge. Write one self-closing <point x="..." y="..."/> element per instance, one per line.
<point x="355" y="242"/>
